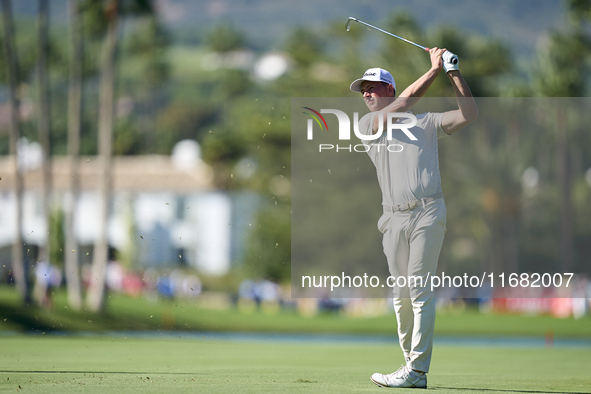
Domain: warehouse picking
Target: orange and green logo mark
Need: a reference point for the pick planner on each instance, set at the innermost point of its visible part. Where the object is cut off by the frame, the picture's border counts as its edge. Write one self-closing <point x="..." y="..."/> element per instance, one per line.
<point x="317" y="117"/>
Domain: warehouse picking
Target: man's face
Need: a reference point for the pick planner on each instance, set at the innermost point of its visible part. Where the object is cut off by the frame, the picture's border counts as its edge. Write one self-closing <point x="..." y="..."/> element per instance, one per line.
<point x="372" y="93"/>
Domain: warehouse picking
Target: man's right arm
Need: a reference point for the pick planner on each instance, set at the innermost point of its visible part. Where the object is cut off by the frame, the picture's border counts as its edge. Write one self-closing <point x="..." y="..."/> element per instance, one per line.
<point x="467" y="111"/>
<point x="414" y="92"/>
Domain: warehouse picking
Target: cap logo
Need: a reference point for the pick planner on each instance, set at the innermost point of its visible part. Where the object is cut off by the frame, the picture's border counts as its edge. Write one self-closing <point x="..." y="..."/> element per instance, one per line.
<point x="368" y="74"/>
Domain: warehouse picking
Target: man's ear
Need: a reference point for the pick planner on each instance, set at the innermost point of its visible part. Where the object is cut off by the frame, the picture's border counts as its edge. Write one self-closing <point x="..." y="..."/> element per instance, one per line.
<point x="391" y="90"/>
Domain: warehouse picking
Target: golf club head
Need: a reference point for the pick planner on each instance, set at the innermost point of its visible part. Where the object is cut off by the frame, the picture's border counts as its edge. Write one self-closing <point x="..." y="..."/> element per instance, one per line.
<point x="348" y="25"/>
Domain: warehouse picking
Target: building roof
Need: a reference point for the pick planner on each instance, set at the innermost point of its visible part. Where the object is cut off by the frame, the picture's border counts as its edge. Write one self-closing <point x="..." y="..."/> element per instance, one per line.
<point x="129" y="173"/>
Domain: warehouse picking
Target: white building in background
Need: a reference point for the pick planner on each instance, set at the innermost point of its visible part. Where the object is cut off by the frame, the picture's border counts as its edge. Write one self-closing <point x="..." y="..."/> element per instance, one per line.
<point x="164" y="210"/>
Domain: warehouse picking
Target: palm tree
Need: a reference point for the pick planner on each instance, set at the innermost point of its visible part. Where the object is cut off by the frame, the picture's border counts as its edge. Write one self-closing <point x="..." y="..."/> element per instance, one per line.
<point x="74" y="124"/>
<point x="95" y="296"/>
<point x="18" y="265"/>
<point x="113" y="11"/>
<point x="43" y="123"/>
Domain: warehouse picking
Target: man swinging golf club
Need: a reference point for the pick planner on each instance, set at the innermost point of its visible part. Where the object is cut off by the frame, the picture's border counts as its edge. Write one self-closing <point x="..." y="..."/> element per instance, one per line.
<point x="414" y="214"/>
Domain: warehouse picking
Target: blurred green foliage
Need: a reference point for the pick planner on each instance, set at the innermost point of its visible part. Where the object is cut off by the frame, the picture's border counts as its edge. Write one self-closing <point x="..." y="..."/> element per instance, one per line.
<point x="225" y="38"/>
<point x="212" y="95"/>
<point x="57" y="239"/>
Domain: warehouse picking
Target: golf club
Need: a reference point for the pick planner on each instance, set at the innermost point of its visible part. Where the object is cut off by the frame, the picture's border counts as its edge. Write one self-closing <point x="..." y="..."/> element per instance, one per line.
<point x="454" y="58"/>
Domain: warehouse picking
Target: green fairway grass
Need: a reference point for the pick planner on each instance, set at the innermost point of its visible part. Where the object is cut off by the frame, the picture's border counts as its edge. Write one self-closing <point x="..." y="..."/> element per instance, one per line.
<point x="51" y="364"/>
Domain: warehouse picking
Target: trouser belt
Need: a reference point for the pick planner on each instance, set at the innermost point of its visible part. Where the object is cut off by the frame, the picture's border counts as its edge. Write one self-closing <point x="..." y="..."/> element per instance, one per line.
<point x="409" y="206"/>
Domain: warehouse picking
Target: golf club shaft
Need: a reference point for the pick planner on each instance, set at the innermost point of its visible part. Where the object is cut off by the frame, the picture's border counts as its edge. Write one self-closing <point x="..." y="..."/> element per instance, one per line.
<point x="384" y="31"/>
<point x="454" y="58"/>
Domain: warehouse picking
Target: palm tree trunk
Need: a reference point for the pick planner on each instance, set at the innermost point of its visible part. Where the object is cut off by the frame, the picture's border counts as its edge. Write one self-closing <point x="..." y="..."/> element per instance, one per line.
<point x="95" y="299"/>
<point x="18" y="265"/>
<point x="72" y="272"/>
<point x="43" y="123"/>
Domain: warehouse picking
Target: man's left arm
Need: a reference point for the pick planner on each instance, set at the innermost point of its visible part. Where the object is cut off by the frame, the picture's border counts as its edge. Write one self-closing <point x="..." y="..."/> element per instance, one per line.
<point x="467" y="111"/>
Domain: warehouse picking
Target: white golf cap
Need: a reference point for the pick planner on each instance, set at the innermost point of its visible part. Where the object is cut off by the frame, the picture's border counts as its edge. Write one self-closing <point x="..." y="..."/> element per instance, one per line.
<point x="375" y="75"/>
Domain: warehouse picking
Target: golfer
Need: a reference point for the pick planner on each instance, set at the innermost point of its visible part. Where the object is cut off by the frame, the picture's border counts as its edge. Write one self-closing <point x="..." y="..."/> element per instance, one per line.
<point x="413" y="220"/>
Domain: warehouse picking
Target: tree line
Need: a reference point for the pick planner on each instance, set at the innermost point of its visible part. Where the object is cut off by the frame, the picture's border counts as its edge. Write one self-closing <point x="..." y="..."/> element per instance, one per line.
<point x="241" y="121"/>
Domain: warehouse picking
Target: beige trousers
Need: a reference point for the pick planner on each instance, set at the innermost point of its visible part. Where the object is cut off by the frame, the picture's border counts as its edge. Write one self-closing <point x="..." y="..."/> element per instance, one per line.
<point x="412" y="242"/>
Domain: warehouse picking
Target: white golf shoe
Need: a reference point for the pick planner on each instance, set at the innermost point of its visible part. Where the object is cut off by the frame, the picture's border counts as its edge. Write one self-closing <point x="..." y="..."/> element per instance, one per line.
<point x="403" y="378"/>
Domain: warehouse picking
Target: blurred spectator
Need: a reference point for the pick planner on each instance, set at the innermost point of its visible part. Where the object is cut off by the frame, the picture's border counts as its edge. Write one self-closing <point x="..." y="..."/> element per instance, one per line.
<point x="114" y="279"/>
<point x="165" y="287"/>
<point x="267" y="291"/>
<point x="581" y="297"/>
<point x="47" y="277"/>
<point x="246" y="291"/>
<point x="264" y="294"/>
<point x="150" y="280"/>
<point x="190" y="286"/>
<point x="132" y="284"/>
